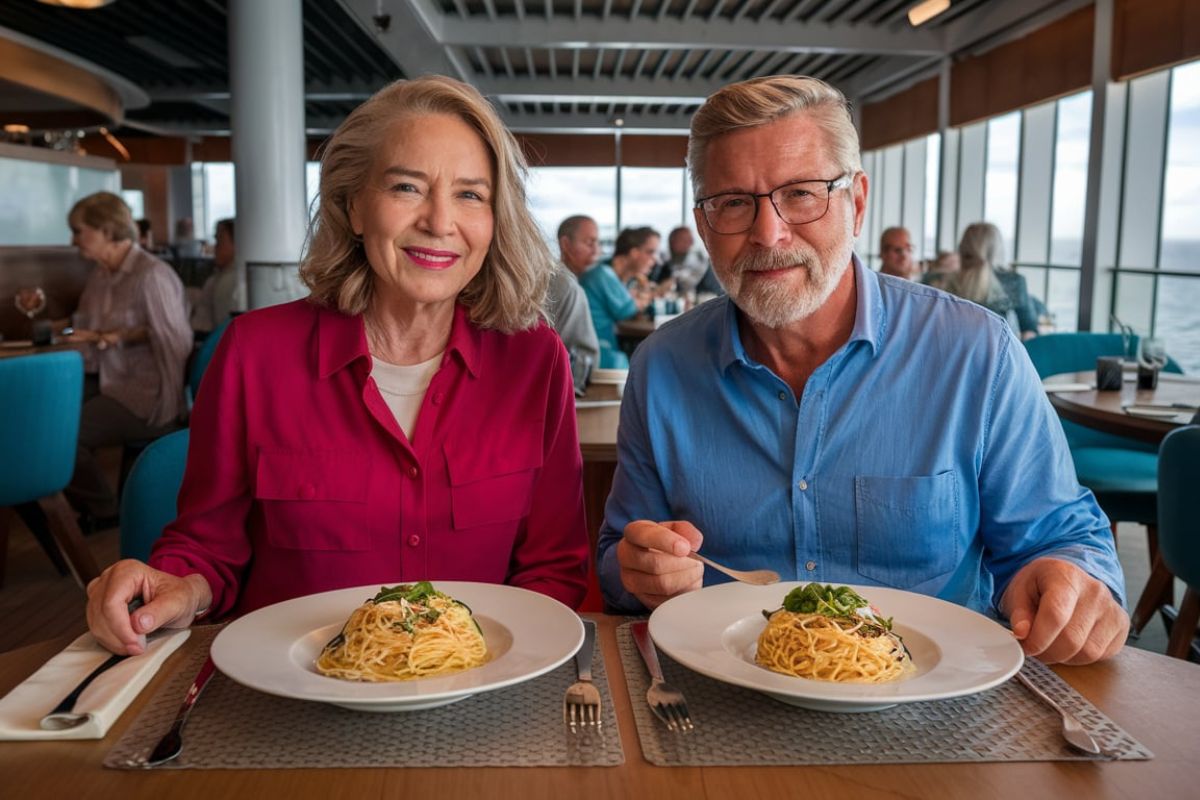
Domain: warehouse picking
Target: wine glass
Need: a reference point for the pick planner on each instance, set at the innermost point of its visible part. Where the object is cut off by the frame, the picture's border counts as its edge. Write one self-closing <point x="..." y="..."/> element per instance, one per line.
<point x="1153" y="353"/>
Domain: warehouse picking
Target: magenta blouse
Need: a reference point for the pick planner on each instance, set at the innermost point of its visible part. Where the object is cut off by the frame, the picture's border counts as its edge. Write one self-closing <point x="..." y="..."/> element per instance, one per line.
<point x="299" y="480"/>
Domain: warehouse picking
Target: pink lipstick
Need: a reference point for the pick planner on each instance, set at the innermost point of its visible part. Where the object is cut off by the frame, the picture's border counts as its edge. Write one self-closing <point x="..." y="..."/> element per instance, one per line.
<point x="431" y="259"/>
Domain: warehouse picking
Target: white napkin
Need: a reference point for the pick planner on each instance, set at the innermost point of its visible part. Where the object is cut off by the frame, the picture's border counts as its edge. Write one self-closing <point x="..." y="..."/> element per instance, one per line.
<point x="22" y="709"/>
<point x="1068" y="387"/>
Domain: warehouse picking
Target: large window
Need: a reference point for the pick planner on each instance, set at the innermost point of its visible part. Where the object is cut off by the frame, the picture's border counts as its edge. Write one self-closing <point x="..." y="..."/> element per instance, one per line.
<point x="556" y="193"/>
<point x="1177" y="319"/>
<point x="654" y="196"/>
<point x="37" y="196"/>
<point x="1000" y="178"/>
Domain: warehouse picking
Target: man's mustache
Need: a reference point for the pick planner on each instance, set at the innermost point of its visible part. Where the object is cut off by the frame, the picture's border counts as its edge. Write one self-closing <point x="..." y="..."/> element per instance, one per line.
<point x="767" y="260"/>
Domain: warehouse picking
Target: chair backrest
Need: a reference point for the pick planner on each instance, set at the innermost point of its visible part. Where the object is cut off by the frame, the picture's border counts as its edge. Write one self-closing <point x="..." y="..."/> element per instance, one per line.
<point x="148" y="502"/>
<point x="1178" y="522"/>
<point x="1055" y="353"/>
<point x="40" y="399"/>
<point x="203" y="356"/>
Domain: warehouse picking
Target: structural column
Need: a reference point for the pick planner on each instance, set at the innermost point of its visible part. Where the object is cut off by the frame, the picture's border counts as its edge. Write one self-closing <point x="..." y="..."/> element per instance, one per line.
<point x="266" y="79"/>
<point x="1101" y="77"/>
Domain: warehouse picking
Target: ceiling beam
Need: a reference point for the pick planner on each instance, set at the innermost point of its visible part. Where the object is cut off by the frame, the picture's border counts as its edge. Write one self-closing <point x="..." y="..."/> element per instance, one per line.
<point x="413" y="39"/>
<point x="693" y="33"/>
<point x="579" y="123"/>
<point x="586" y="89"/>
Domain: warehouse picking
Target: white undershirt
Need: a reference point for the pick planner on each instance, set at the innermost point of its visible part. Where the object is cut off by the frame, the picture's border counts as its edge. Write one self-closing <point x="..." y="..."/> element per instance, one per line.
<point x="403" y="388"/>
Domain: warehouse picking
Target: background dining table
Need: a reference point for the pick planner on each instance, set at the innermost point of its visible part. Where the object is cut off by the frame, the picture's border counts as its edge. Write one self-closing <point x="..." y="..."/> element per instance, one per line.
<point x="1105" y="410"/>
<point x="1155" y="698"/>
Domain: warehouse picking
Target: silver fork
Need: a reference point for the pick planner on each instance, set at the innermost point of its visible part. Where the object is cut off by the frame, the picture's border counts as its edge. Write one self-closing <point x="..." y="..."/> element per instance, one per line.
<point x="581" y="703"/>
<point x="665" y="700"/>
<point x="1072" y="729"/>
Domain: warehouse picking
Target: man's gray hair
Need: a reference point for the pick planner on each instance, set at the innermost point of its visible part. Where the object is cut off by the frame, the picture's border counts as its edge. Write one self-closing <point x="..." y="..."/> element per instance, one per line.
<point x="761" y="101"/>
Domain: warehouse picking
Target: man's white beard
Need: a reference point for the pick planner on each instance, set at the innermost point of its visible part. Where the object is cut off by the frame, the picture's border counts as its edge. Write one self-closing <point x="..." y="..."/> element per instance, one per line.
<point x="779" y="303"/>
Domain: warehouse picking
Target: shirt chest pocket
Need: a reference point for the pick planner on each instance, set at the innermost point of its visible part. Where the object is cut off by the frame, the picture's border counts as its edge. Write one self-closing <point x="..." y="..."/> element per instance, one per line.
<point x="493" y="483"/>
<point x="313" y="500"/>
<point x="908" y="528"/>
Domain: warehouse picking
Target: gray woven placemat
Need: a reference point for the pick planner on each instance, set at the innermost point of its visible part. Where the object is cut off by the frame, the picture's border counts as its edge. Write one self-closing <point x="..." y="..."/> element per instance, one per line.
<point x="740" y="727"/>
<point x="232" y="727"/>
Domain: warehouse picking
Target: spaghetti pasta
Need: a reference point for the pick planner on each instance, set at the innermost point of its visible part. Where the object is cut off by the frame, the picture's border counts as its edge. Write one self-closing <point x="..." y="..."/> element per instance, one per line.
<point x="405" y="632"/>
<point x="831" y="635"/>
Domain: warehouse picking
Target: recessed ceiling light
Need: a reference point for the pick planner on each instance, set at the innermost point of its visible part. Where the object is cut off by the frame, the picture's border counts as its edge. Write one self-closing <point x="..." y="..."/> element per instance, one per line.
<point x="927" y="10"/>
<point x="84" y="4"/>
<point x="14" y="127"/>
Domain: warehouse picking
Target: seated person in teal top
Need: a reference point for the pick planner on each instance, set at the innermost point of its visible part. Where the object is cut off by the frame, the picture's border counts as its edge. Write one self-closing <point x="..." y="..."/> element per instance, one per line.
<point x="762" y="428"/>
<point x="607" y="296"/>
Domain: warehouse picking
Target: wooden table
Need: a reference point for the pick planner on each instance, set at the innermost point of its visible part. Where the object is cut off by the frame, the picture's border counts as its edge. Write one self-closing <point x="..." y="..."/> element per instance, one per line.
<point x="1104" y="410"/>
<point x="1156" y="699"/>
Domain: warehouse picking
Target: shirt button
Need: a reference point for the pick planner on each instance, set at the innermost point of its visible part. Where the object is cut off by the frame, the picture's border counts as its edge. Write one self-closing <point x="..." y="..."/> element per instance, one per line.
<point x="783" y="395"/>
<point x="413" y="472"/>
<point x="308" y="491"/>
<point x="810" y="565"/>
<point x="414" y="540"/>
<point x="803" y="484"/>
<point x="437" y="398"/>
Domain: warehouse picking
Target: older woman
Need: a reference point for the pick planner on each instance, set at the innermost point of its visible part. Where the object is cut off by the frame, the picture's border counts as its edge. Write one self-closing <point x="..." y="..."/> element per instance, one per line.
<point x="413" y="418"/>
<point x="133" y="330"/>
<point x="983" y="278"/>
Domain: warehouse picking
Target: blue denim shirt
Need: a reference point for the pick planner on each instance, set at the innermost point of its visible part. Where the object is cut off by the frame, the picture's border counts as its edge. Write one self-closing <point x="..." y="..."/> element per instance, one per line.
<point x="922" y="455"/>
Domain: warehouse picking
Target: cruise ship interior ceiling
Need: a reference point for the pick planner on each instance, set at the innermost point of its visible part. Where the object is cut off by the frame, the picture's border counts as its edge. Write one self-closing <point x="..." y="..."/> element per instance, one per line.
<point x="551" y="66"/>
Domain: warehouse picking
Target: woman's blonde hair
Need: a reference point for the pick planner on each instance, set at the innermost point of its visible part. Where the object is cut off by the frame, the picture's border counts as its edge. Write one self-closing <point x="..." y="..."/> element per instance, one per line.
<point x="106" y="212"/>
<point x="761" y="101"/>
<point x="980" y="252"/>
<point x="510" y="289"/>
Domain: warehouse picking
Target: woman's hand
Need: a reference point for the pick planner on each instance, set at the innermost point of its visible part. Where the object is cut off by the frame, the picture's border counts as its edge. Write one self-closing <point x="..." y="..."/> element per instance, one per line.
<point x="83" y="336"/>
<point x="169" y="602"/>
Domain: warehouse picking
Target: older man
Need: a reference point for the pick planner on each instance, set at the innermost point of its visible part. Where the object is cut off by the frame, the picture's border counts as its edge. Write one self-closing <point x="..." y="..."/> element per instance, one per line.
<point x="760" y="427"/>
<point x="579" y="247"/>
<point x="896" y="254"/>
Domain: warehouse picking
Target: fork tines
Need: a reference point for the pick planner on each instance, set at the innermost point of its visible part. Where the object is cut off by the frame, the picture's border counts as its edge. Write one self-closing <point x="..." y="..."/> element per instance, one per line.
<point x="676" y="717"/>
<point x="581" y="711"/>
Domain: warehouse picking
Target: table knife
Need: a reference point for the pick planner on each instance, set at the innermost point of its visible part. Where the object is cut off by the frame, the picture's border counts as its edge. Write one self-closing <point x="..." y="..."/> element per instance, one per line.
<point x="171" y="744"/>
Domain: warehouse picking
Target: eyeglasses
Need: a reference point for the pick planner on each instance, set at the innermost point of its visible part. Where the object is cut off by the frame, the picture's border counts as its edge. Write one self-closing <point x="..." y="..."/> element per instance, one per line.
<point x="796" y="204"/>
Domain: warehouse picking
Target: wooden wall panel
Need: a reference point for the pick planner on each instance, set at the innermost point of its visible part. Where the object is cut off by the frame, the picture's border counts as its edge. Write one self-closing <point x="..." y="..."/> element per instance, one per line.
<point x="1048" y="63"/>
<point x="905" y="115"/>
<point x="1153" y="34"/>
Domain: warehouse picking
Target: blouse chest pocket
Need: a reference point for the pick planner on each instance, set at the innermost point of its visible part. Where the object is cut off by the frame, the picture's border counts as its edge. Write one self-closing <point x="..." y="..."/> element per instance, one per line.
<point x="908" y="528"/>
<point x="493" y="483"/>
<point x="313" y="500"/>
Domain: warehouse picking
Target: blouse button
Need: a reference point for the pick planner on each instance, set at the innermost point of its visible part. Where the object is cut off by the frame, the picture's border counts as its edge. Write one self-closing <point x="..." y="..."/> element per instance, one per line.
<point x="414" y="540"/>
<point x="413" y="472"/>
<point x="308" y="491"/>
<point x="437" y="398"/>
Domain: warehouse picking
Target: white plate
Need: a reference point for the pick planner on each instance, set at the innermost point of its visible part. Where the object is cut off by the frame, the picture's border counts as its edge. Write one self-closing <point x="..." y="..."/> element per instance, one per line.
<point x="273" y="649"/>
<point x="956" y="651"/>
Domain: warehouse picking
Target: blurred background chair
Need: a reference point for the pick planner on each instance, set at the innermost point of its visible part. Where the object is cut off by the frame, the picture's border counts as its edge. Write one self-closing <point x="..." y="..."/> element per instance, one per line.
<point x="200" y="362"/>
<point x="1179" y="532"/>
<point x="148" y="502"/>
<point x="40" y="401"/>
<point x="1121" y="472"/>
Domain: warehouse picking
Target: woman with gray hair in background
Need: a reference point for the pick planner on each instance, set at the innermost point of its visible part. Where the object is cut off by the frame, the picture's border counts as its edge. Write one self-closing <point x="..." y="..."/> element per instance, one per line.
<point x="412" y="419"/>
<point x="984" y="279"/>
<point x="131" y="326"/>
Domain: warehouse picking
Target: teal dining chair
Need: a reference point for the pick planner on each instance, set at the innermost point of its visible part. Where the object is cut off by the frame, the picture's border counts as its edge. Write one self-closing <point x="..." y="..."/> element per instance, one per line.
<point x="40" y="401"/>
<point x="1179" y="531"/>
<point x="148" y="501"/>
<point x="1121" y="472"/>
<point x="203" y="357"/>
